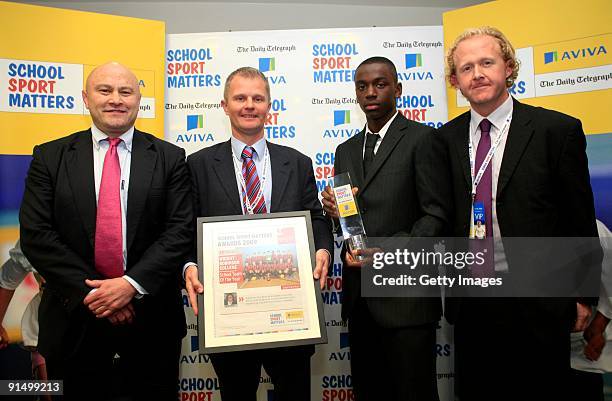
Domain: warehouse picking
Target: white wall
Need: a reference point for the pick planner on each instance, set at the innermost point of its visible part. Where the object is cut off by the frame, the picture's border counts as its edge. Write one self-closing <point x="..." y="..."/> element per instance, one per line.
<point x="185" y="17"/>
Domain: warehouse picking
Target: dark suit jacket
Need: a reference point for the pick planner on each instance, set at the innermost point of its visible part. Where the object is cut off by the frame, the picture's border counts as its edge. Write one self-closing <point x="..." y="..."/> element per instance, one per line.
<point x="396" y="198"/>
<point x="543" y="188"/>
<point x="215" y="187"/>
<point x="58" y="218"/>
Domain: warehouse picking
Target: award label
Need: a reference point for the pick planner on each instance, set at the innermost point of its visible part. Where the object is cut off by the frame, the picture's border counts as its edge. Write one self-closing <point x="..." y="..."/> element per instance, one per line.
<point x="345" y="201"/>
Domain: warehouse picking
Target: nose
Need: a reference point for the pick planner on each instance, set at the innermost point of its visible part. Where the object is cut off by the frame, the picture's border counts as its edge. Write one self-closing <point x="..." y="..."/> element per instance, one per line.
<point x="370" y="91"/>
<point x="249" y="103"/>
<point x="477" y="72"/>
<point x="115" y="97"/>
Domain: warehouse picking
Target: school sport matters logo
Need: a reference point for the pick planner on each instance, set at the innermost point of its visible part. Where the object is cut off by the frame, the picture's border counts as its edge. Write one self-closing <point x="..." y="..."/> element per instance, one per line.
<point x="574" y="54"/>
<point x="414" y="60"/>
<point x="267" y="64"/>
<point x="342" y="117"/>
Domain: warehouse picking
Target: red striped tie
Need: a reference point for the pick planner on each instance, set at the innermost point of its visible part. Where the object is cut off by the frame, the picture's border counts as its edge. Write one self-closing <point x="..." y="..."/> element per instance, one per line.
<point x="108" y="245"/>
<point x="253" y="186"/>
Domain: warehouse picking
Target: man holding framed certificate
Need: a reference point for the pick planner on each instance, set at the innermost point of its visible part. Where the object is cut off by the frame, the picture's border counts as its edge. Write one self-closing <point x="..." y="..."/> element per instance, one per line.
<point x="249" y="176"/>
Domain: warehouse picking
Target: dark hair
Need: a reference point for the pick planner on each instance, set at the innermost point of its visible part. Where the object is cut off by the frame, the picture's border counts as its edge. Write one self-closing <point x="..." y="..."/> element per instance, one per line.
<point x="380" y="60"/>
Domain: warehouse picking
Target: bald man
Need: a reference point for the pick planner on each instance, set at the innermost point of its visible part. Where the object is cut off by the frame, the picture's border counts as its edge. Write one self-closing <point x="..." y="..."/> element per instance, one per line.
<point x="106" y="220"/>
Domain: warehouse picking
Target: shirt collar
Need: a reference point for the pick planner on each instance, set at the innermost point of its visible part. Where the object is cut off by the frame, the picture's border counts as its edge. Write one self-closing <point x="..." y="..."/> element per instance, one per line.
<point x="238" y="147"/>
<point x="384" y="129"/>
<point x="497" y="118"/>
<point x="99" y="136"/>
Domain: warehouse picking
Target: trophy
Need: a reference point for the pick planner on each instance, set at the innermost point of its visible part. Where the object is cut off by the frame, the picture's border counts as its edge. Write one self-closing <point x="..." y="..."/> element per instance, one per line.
<point x="351" y="224"/>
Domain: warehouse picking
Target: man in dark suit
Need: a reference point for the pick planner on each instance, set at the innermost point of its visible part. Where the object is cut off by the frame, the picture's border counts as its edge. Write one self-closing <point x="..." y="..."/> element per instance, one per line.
<point x="536" y="184"/>
<point x="392" y="339"/>
<point x="106" y="219"/>
<point x="285" y="182"/>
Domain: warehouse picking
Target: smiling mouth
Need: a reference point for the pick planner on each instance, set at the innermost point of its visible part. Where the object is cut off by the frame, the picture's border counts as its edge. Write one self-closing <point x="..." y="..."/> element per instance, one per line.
<point x="249" y="116"/>
<point x="115" y="111"/>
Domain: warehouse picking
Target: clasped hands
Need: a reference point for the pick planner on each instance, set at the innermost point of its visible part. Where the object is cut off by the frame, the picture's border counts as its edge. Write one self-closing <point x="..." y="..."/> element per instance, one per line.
<point x="111" y="299"/>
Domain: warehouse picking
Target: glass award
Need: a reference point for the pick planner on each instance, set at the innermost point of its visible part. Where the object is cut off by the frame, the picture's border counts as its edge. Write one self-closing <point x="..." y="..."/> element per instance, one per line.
<point x="351" y="224"/>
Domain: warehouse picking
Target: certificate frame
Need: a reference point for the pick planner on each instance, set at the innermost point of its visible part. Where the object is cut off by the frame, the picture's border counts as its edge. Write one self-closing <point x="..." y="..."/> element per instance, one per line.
<point x="275" y="300"/>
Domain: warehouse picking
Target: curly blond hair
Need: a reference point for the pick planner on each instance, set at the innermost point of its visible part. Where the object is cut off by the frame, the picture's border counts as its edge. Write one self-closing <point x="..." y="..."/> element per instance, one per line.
<point x="507" y="51"/>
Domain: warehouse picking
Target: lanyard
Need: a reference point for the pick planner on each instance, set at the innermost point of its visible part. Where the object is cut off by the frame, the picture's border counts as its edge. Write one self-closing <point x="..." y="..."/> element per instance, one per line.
<point x="240" y="177"/>
<point x="476" y="179"/>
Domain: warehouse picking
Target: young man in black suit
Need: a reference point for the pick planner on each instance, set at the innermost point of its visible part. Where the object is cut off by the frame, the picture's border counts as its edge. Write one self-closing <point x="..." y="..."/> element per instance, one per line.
<point x="286" y="183"/>
<point x="535" y="185"/>
<point x="392" y="339"/>
<point x="106" y="220"/>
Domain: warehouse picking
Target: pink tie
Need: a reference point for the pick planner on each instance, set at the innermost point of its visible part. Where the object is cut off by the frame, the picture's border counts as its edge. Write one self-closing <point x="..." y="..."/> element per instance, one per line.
<point x="108" y="246"/>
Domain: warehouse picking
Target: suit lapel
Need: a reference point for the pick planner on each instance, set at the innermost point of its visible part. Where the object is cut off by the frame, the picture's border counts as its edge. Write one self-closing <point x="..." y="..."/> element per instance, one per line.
<point x="280" y="174"/>
<point x="461" y="140"/>
<point x="521" y="130"/>
<point x="223" y="167"/>
<point x="142" y="166"/>
<point x="392" y="137"/>
<point x="80" y="171"/>
<point x="355" y="153"/>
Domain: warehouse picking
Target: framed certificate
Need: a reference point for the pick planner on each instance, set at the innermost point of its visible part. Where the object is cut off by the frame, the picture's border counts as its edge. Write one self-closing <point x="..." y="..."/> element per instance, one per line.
<point x="258" y="286"/>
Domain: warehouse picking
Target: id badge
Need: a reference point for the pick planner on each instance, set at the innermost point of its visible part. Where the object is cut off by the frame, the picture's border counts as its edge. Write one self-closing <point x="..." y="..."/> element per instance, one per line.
<point x="479" y="221"/>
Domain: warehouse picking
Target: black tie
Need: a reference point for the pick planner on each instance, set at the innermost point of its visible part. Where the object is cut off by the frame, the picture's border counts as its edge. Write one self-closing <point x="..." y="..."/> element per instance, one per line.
<point x="368" y="156"/>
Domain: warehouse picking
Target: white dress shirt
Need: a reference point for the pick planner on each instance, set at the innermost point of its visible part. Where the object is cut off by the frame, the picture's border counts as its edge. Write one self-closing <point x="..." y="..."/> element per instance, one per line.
<point x="497" y="119"/>
<point x="382" y="133"/>
<point x="124" y="151"/>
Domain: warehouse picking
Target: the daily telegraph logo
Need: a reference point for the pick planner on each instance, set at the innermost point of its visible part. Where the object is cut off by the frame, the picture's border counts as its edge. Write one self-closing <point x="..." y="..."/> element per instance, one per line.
<point x="41" y="87"/>
<point x="574" y="54"/>
<point x="342" y="117"/>
<point x="412" y="63"/>
<point x="189" y="68"/>
<point x="268" y="65"/>
<point x="333" y="62"/>
<point x="195" y="131"/>
<point x="337" y="388"/>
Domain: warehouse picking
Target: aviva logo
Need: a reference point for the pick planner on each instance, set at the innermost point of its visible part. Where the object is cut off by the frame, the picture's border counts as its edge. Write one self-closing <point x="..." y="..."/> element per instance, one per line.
<point x="549" y="57"/>
<point x="267" y="64"/>
<point x="414" y="60"/>
<point x="342" y="117"/>
<point x="575" y="54"/>
<point x="195" y="121"/>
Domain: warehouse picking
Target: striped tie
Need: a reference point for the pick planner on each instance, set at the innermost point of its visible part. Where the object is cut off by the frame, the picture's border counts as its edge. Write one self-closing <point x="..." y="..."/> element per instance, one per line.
<point x="253" y="186"/>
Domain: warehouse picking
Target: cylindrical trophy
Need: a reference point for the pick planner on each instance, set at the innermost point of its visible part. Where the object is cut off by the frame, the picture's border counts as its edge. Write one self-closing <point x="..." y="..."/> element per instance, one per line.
<point x="351" y="224"/>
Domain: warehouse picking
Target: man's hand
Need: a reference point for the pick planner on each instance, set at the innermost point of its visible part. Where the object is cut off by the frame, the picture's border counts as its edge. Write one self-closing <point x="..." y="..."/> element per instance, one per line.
<point x="124" y="315"/>
<point x="4" y="338"/>
<point x="583" y="314"/>
<point x="329" y="202"/>
<point x="110" y="296"/>
<point x="322" y="264"/>
<point x="595" y="335"/>
<point x="351" y="258"/>
<point x="193" y="286"/>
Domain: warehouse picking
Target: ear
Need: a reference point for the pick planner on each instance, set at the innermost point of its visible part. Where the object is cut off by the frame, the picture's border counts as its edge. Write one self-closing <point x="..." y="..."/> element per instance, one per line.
<point x="224" y="105"/>
<point x="398" y="89"/>
<point x="84" y="95"/>
<point x="509" y="69"/>
<point x="453" y="81"/>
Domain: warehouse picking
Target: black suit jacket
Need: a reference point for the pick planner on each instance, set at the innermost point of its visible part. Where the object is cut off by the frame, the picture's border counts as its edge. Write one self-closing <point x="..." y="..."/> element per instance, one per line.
<point x="215" y="188"/>
<point x="396" y="198"/>
<point x="543" y="189"/>
<point x="58" y="218"/>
